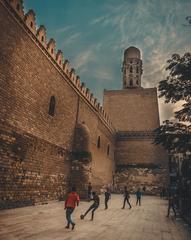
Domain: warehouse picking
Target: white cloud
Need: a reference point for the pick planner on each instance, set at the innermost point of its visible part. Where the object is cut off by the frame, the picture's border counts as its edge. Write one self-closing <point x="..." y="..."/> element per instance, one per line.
<point x="87" y="57"/>
<point x="73" y="38"/>
<point x="83" y="58"/>
<point x="97" y="20"/>
<point x="63" y="29"/>
<point x="104" y="74"/>
<point x="145" y="24"/>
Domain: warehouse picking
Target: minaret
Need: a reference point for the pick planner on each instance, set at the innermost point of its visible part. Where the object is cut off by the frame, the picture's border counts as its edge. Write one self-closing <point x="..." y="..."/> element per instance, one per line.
<point x="132" y="68"/>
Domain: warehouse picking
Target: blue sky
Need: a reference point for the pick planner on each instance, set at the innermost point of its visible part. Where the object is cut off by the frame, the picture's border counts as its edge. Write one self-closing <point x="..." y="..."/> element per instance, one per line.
<point x="93" y="35"/>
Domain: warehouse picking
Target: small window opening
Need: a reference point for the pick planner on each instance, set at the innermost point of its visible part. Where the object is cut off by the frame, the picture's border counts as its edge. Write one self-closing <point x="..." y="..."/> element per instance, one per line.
<point x="42" y="38"/>
<point x="137" y="70"/>
<point x="31" y="24"/>
<point x="52" y="50"/>
<point x="131" y="69"/>
<point x="98" y="142"/>
<point x="108" y="149"/>
<point x="131" y="82"/>
<point x="52" y="104"/>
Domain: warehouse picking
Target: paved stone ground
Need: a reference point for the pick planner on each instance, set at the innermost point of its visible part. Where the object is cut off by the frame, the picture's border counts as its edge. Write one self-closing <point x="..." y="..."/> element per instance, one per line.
<point x="47" y="222"/>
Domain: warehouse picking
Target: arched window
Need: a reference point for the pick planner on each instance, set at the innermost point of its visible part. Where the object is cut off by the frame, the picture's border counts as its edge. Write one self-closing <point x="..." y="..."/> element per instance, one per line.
<point x="131" y="82"/>
<point x="31" y="24"/>
<point x="98" y="142"/>
<point x="52" y="106"/>
<point x="137" y="70"/>
<point x="42" y="38"/>
<point x="108" y="149"/>
<point x="131" y="69"/>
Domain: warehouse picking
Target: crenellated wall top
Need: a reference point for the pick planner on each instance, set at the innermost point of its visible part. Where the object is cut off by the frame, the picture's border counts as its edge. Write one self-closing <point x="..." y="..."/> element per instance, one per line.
<point x="28" y="20"/>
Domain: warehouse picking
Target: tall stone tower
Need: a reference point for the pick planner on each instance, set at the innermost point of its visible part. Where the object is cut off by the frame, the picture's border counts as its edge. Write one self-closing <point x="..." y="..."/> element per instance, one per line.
<point x="134" y="113"/>
<point x="132" y="68"/>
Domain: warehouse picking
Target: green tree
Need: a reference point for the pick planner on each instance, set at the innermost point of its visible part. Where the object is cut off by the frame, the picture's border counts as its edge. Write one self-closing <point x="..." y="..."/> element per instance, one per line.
<point x="177" y="87"/>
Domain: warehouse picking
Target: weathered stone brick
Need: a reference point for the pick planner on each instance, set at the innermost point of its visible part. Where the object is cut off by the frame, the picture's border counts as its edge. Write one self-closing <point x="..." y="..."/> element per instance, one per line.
<point x="35" y="147"/>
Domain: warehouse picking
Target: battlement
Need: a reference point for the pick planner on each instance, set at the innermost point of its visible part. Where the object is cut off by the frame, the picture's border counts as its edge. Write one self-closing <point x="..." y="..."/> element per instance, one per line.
<point x="126" y="135"/>
<point x="38" y="34"/>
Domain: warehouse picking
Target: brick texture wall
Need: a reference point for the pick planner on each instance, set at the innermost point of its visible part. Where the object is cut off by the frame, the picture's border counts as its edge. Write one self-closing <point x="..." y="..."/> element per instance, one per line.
<point x="32" y="170"/>
<point x="152" y="179"/>
<point x="28" y="80"/>
<point x="140" y="151"/>
<point x="35" y="147"/>
<point x="137" y="108"/>
<point x="135" y="115"/>
<point x="102" y="164"/>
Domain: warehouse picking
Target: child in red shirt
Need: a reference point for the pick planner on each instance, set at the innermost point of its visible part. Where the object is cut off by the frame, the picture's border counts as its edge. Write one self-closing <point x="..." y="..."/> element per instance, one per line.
<point x="70" y="204"/>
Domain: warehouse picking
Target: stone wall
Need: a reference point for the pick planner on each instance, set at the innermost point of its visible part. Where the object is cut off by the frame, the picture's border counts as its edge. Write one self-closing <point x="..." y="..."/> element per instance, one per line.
<point x="140" y="151"/>
<point x="102" y="164"/>
<point x="139" y="162"/>
<point x="32" y="170"/>
<point x="132" y="109"/>
<point x="28" y="80"/>
<point x="37" y="146"/>
<point x="153" y="179"/>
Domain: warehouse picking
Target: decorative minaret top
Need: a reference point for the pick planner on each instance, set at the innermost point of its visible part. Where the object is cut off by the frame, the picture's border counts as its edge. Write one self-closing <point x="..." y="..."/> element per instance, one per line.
<point x="132" y="68"/>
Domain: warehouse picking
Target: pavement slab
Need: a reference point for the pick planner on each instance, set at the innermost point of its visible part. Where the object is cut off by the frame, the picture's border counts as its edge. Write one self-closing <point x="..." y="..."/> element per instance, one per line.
<point x="47" y="222"/>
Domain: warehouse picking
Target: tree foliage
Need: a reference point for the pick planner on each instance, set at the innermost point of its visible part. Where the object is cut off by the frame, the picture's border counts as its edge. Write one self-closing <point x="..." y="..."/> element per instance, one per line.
<point x="177" y="87"/>
<point x="174" y="136"/>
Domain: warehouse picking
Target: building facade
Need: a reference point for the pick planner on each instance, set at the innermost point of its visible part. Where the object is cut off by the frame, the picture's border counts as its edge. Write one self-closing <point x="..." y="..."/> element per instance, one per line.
<point x="134" y="113"/>
<point x="53" y="132"/>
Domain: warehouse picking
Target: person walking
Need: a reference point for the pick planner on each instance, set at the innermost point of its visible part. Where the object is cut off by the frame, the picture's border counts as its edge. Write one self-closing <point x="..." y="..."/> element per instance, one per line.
<point x="171" y="204"/>
<point x="93" y="207"/>
<point x="70" y="204"/>
<point x="163" y="192"/>
<point x="126" y="198"/>
<point x="89" y="191"/>
<point x="138" y="196"/>
<point x="107" y="197"/>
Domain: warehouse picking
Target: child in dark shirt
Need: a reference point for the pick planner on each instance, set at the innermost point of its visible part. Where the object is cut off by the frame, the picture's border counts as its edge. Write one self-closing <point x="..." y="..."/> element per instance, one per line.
<point x="126" y="198"/>
<point x="107" y="197"/>
<point x="93" y="207"/>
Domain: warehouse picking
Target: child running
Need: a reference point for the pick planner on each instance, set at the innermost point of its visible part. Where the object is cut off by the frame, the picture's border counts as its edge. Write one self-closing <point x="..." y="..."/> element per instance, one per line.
<point x="93" y="207"/>
<point x="70" y="204"/>
<point x="126" y="198"/>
